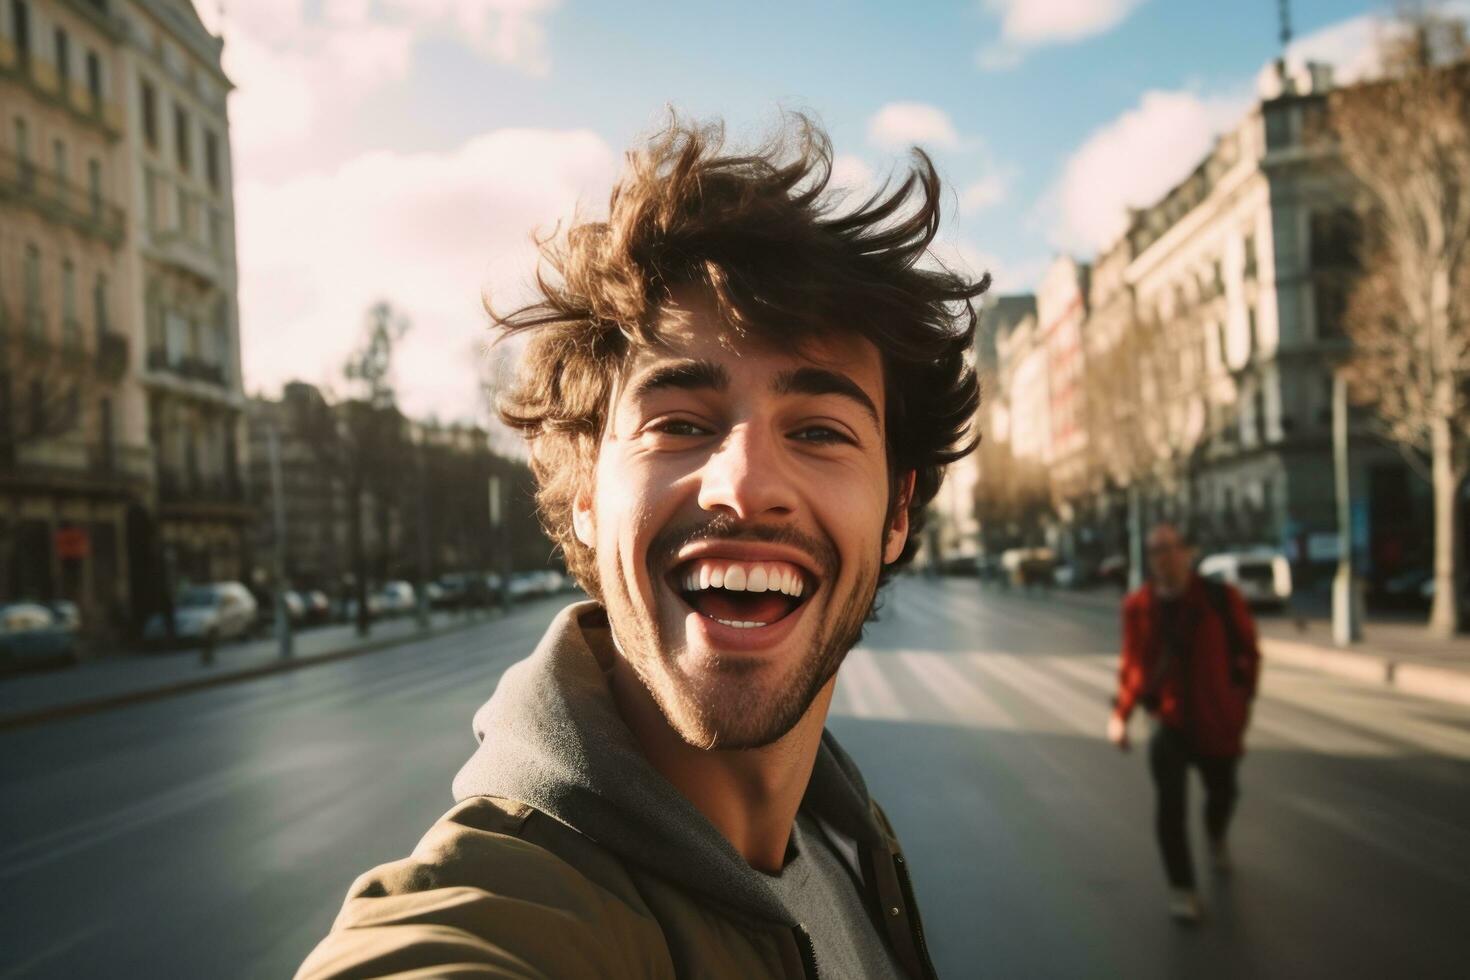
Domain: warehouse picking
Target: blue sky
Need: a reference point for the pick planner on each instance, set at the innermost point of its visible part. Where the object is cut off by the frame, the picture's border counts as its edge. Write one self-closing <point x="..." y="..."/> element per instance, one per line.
<point x="407" y="148"/>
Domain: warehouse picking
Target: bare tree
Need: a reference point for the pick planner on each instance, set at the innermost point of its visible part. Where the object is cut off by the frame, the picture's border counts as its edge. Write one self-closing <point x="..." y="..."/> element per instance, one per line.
<point x="364" y="438"/>
<point x="1154" y="410"/>
<point x="1405" y="138"/>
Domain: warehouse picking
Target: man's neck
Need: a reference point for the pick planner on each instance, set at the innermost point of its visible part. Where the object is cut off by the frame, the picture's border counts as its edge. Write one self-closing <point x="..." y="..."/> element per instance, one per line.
<point x="1173" y="590"/>
<point x="750" y="795"/>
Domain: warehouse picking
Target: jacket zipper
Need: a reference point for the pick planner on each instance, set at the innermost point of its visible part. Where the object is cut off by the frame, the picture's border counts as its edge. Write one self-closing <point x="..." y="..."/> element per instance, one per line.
<point x="808" y="952"/>
<point x="907" y="887"/>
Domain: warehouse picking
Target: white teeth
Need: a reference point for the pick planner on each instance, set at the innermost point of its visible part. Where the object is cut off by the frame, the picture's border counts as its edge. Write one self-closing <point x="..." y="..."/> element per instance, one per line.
<point x="743" y="578"/>
<point x="739" y="624"/>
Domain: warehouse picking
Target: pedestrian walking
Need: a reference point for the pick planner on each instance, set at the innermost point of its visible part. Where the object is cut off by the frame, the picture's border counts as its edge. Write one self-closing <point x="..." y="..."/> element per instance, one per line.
<point x="738" y="402"/>
<point x="1190" y="659"/>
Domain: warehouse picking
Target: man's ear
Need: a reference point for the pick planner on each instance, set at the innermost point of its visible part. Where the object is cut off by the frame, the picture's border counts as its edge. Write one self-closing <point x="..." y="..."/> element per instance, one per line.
<point x="897" y="534"/>
<point x="582" y="524"/>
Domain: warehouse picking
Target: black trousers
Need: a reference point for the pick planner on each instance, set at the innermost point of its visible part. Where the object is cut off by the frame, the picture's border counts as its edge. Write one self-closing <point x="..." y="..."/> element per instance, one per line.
<point x="1169" y="758"/>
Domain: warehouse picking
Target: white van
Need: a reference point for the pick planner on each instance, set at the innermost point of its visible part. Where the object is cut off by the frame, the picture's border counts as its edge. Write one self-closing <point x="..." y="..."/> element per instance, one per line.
<point x="1263" y="578"/>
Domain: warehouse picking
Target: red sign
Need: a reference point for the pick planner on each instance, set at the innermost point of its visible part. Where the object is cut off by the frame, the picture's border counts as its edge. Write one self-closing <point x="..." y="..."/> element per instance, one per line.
<point x="72" y="542"/>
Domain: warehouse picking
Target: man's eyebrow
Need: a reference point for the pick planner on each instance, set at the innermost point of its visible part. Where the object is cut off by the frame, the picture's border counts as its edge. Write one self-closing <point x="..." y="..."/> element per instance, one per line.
<point x="688" y="375"/>
<point x="820" y="381"/>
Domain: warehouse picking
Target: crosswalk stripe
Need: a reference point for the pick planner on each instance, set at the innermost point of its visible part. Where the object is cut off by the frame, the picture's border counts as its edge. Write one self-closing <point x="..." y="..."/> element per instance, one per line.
<point x="966" y="702"/>
<point x="1002" y="669"/>
<point x="869" y="693"/>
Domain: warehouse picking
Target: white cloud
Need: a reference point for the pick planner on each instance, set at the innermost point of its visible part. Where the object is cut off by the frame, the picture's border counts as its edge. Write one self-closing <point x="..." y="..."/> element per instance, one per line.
<point x="507" y="31"/>
<point x="424" y="231"/>
<point x="1028" y="24"/>
<point x="983" y="193"/>
<point x="1131" y="162"/>
<point x="899" y="125"/>
<point x="1351" y="46"/>
<point x="295" y="64"/>
<point x="1006" y="276"/>
<point x="851" y="173"/>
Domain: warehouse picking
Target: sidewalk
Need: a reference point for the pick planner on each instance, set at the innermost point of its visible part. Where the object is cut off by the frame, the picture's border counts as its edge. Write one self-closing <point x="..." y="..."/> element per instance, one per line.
<point x="31" y="698"/>
<point x="1395" y="653"/>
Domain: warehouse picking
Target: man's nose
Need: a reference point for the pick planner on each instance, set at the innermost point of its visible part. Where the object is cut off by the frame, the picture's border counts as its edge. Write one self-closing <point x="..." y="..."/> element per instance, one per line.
<point x="747" y="476"/>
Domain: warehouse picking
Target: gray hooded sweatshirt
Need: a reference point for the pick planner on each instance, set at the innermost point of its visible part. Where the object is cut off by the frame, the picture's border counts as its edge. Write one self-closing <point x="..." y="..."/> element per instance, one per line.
<point x="551" y="737"/>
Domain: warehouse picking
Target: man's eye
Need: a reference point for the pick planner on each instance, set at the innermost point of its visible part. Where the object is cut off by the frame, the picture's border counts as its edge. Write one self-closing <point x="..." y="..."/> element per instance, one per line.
<point x="677" y="427"/>
<point x="820" y="434"/>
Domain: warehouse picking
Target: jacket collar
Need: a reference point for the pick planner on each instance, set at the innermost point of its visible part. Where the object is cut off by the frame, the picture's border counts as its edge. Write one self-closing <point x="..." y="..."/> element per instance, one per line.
<point x="551" y="737"/>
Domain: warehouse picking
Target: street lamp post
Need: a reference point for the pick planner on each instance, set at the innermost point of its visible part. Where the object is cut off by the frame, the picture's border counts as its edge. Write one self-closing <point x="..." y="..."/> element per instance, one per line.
<point x="1347" y="611"/>
<point x="499" y="526"/>
<point x="278" y="513"/>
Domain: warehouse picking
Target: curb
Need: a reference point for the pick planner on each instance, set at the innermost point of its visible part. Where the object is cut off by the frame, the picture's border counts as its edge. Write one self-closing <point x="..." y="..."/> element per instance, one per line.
<point x="1421" y="680"/>
<point x="26" y="719"/>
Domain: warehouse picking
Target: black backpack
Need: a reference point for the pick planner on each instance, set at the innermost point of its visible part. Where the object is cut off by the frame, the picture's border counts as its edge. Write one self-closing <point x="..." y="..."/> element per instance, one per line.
<point x="1219" y="599"/>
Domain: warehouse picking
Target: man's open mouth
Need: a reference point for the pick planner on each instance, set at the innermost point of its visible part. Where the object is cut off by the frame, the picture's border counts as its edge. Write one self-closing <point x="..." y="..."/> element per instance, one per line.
<point x="742" y="594"/>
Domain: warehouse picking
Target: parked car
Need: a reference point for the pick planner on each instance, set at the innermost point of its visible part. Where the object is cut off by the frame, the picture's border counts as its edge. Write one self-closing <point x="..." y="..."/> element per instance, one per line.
<point x="450" y="592"/>
<point x="524" y="585"/>
<point x="1262" y="577"/>
<point x="1113" y="570"/>
<point x="1028" y="566"/>
<point x="318" y="606"/>
<point x="376" y="607"/>
<point x="33" y="634"/>
<point x="398" y="599"/>
<point x="217" y="611"/>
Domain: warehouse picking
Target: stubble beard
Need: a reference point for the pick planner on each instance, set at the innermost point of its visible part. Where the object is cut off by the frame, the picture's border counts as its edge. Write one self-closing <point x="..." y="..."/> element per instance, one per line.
<point x="722" y="707"/>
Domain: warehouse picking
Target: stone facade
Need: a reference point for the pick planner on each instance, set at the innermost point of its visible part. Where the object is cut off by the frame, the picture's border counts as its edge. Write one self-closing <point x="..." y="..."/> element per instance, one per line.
<point x="119" y="465"/>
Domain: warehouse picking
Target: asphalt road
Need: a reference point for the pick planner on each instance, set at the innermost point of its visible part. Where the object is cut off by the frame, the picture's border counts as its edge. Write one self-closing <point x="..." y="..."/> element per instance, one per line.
<point x="214" y="834"/>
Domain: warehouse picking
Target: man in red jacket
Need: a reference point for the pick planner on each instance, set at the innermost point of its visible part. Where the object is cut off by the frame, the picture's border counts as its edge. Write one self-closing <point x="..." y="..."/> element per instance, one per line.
<point x="1190" y="658"/>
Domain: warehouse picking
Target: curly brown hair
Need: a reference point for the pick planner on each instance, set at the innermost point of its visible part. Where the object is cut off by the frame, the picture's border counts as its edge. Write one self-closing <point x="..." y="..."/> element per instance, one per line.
<point x="783" y="259"/>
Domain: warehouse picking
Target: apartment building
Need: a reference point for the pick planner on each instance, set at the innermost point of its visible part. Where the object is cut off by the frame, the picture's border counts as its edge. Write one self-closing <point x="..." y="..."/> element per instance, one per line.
<point x="74" y="461"/>
<point x="120" y="392"/>
<point x="182" y="262"/>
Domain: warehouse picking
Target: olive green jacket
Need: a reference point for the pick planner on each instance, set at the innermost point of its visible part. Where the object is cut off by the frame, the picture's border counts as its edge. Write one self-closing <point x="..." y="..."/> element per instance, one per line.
<point x="568" y="855"/>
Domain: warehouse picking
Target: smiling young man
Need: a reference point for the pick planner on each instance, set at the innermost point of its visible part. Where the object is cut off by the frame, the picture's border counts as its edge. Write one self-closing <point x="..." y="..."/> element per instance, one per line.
<point x="740" y="394"/>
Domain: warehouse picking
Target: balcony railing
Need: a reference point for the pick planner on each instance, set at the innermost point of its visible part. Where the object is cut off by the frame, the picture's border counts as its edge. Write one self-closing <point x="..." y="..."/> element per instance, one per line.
<point x="186" y="367"/>
<point x="59" y="200"/>
<point x="184" y="488"/>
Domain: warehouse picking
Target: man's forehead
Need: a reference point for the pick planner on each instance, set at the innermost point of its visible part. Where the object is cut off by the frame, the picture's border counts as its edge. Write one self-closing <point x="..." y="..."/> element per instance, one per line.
<point x="689" y="329"/>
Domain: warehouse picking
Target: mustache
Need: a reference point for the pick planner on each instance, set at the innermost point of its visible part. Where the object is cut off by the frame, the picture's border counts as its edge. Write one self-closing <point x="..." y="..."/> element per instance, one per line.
<point x="667" y="543"/>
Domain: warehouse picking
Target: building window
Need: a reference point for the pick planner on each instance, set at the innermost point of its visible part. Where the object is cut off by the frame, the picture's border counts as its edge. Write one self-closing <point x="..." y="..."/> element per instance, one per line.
<point x="94" y="80"/>
<point x="33" y="289"/>
<point x="63" y="64"/>
<point x="20" y="30"/>
<point x="94" y="187"/>
<point x="211" y="159"/>
<point x="23" y="152"/>
<point x="1259" y="411"/>
<point x="185" y="212"/>
<point x="7" y="416"/>
<point x="71" y="329"/>
<point x="37" y="407"/>
<point x="107" y="436"/>
<point x="149" y="99"/>
<point x="100" y="320"/>
<point x="1334" y="241"/>
<point x="181" y="137"/>
<point x="58" y="149"/>
<point x="1250" y="329"/>
<point x="1250" y="256"/>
